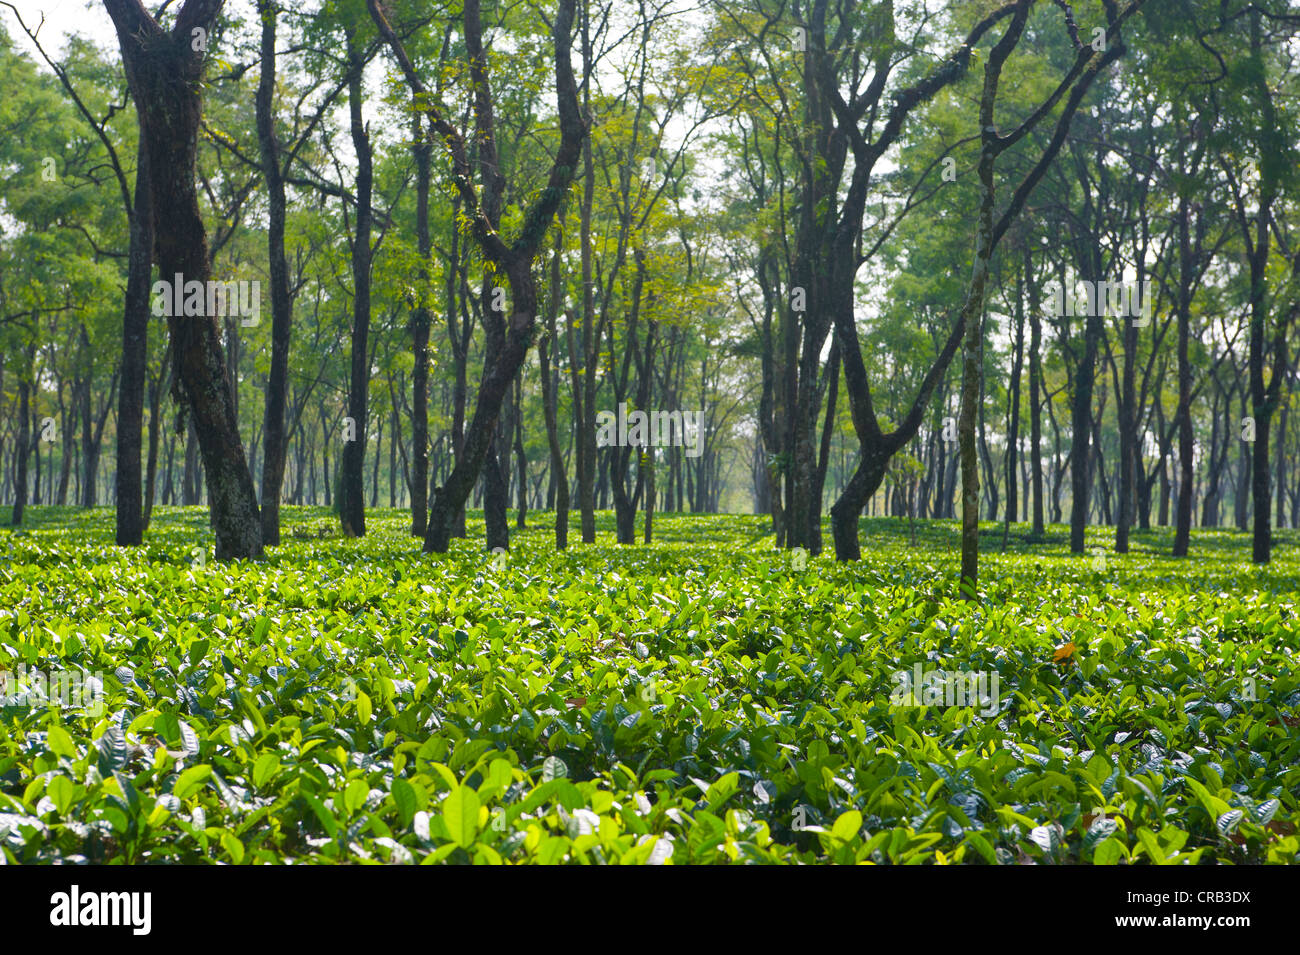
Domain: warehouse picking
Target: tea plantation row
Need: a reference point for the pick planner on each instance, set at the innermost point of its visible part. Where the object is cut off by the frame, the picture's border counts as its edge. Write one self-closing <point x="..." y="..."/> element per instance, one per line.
<point x="699" y="700"/>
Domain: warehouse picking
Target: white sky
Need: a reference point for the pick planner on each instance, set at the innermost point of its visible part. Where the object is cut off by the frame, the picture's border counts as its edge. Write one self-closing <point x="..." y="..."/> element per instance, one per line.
<point x="85" y="17"/>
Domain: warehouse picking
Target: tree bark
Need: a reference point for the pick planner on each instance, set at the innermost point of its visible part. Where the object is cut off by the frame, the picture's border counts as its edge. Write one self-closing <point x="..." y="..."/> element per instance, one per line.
<point x="273" y="447"/>
<point x="23" y="446"/>
<point x="972" y="375"/>
<point x="164" y="71"/>
<point x="549" y="388"/>
<point x="505" y="347"/>
<point x="135" y="339"/>
<point x="420" y="324"/>
<point x="352" y="505"/>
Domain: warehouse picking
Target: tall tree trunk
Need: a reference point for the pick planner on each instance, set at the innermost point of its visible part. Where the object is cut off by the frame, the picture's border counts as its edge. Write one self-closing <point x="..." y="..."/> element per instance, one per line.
<point x="135" y="332"/>
<point x="374" y="470"/>
<point x="273" y="448"/>
<point x="89" y="452"/>
<point x="549" y="388"/>
<point x="505" y="348"/>
<point x="521" y="460"/>
<point x="65" y="465"/>
<point x="1081" y="426"/>
<point x="190" y="478"/>
<point x="1241" y="500"/>
<point x="1186" y="440"/>
<point x="155" y="428"/>
<point x="420" y="323"/>
<point x="549" y="399"/>
<point x="1280" y="479"/>
<point x="824" y="452"/>
<point x="495" y="493"/>
<point x="165" y="71"/>
<point x="1263" y="396"/>
<point x="586" y="452"/>
<point x="1035" y="406"/>
<point x="972" y="372"/>
<point x="1210" y="505"/>
<point x="1128" y="438"/>
<point x="22" y="447"/>
<point x="1013" y="413"/>
<point x="352" y="506"/>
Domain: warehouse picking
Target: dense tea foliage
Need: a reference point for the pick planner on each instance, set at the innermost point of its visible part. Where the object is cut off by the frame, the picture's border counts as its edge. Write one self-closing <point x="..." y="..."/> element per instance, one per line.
<point x="697" y="700"/>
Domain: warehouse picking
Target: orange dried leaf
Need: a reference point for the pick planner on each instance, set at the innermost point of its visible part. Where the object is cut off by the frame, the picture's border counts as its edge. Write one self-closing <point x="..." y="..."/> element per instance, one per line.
<point x="1063" y="653"/>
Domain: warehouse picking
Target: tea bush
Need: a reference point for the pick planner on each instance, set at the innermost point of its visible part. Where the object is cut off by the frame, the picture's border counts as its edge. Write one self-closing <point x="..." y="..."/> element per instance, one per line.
<point x="698" y="700"/>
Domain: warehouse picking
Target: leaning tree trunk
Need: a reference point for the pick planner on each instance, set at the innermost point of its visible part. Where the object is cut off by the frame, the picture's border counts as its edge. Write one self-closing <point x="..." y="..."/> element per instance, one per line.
<point x="165" y="72"/>
<point x="506" y="343"/>
<point x="499" y="370"/>
<point x="135" y="350"/>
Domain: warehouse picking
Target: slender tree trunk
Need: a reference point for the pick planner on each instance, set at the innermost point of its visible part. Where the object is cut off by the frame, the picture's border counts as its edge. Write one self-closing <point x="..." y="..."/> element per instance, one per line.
<point x="1013" y="414"/>
<point x="549" y="388"/>
<point x="1241" y="500"/>
<point x="374" y="470"/>
<point x="1036" y="407"/>
<point x="190" y="479"/>
<point x="1128" y="439"/>
<point x="352" y="507"/>
<point x="824" y="452"/>
<point x="22" y="448"/>
<point x="135" y="331"/>
<point x="1186" y="440"/>
<point x="972" y="321"/>
<point x="155" y="428"/>
<point x="1280" y="479"/>
<point x="273" y="448"/>
<point x="1210" y="505"/>
<point x="521" y="460"/>
<point x="495" y="495"/>
<point x="420" y="323"/>
<point x="1081" y="418"/>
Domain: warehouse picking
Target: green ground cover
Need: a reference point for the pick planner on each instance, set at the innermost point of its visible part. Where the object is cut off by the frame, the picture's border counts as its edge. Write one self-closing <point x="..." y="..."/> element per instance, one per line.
<point x="698" y="700"/>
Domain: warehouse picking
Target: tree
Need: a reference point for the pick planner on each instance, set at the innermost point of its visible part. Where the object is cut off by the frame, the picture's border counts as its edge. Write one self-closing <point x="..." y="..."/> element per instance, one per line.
<point x="164" y="69"/>
<point x="506" y="344"/>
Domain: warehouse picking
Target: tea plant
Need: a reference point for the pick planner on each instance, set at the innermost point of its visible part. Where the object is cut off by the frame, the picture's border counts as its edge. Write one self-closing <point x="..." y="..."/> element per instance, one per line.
<point x="698" y="700"/>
